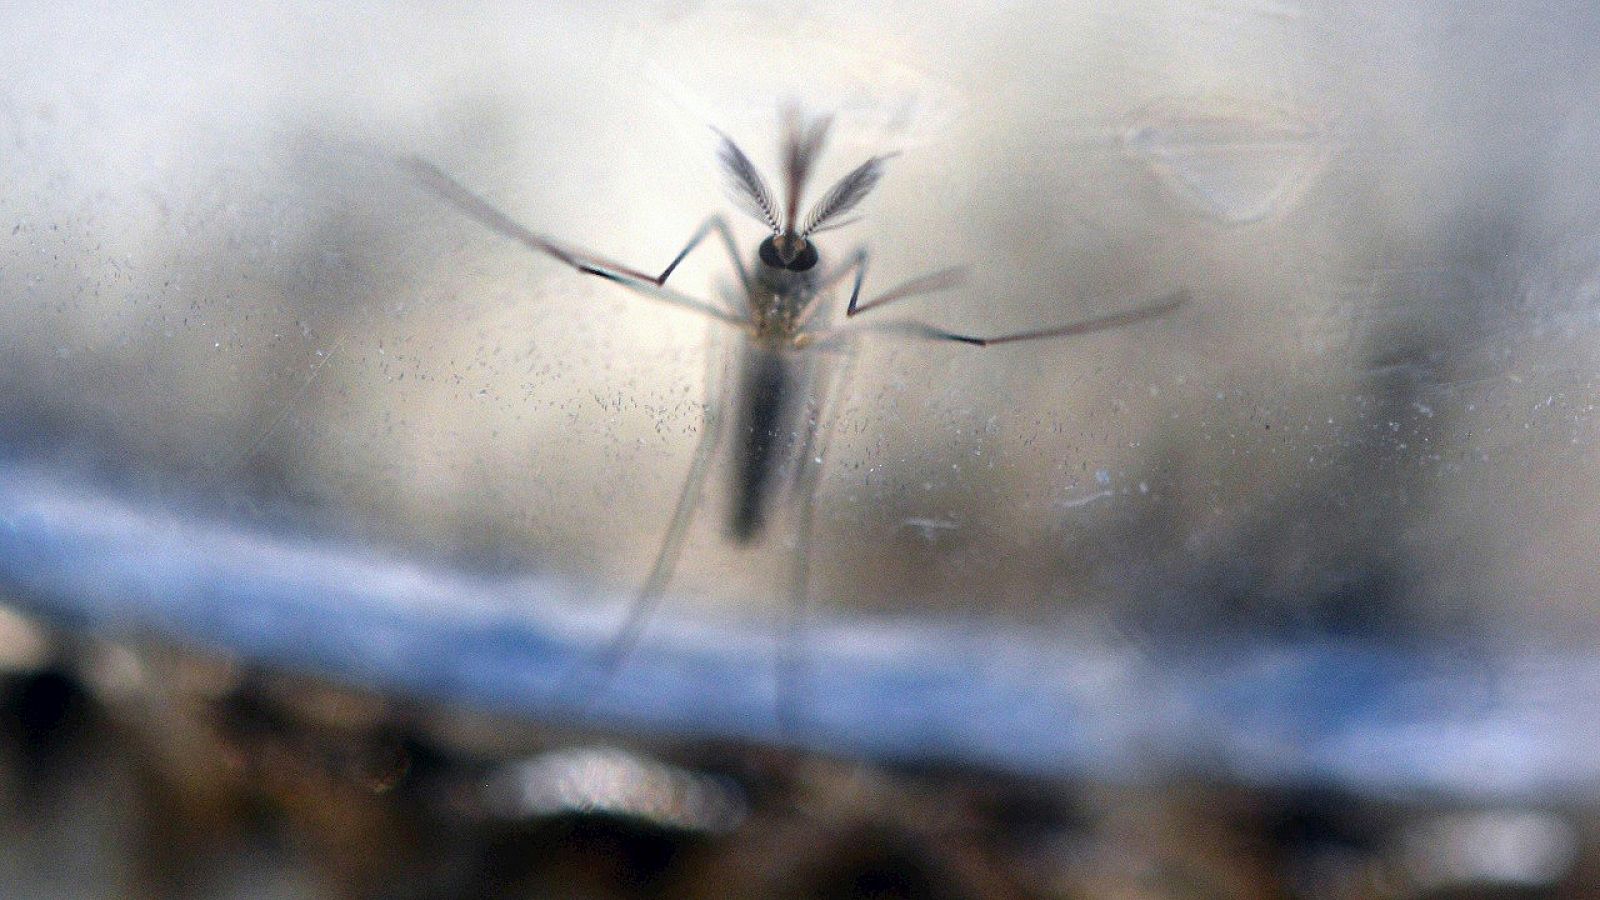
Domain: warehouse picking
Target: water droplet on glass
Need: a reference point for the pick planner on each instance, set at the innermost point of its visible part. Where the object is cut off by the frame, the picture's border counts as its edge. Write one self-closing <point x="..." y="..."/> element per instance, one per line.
<point x="1236" y="164"/>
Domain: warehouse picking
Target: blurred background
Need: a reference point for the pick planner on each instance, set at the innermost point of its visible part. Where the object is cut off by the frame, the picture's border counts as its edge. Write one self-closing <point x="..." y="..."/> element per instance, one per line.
<point x="313" y="491"/>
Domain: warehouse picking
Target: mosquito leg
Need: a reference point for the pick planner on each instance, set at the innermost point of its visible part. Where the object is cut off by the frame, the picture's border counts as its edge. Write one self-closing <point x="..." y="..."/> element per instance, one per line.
<point x="648" y="288"/>
<point x="857" y="262"/>
<point x="923" y="331"/>
<point x="584" y="684"/>
<point x="944" y="279"/>
<point x="294" y="399"/>
<point x="475" y="207"/>
<point x="792" y="677"/>
<point x="720" y="225"/>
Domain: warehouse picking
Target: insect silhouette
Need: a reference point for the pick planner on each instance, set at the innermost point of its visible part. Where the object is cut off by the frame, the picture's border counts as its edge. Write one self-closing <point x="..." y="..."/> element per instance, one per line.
<point x="780" y="305"/>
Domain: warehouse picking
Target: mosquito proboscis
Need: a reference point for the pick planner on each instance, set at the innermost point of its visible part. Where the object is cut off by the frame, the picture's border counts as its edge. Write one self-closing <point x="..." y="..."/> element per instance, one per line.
<point x="779" y="306"/>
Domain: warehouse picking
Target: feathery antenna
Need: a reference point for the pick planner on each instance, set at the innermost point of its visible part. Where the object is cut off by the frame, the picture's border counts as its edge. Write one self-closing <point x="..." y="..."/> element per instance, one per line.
<point x="844" y="196"/>
<point x="745" y="185"/>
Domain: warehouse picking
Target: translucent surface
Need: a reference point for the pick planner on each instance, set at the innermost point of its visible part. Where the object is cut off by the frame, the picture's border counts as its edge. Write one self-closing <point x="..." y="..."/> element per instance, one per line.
<point x="224" y="302"/>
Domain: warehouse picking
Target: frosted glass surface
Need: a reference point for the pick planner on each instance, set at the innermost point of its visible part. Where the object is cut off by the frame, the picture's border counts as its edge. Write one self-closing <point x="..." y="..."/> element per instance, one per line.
<point x="228" y="307"/>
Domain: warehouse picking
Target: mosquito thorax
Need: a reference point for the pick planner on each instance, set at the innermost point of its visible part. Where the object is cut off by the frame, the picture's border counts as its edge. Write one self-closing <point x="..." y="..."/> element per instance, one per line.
<point x="788" y="252"/>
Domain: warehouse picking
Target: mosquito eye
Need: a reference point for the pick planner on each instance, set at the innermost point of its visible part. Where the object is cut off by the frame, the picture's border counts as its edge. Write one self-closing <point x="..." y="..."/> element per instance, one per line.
<point x="769" y="254"/>
<point x="805" y="260"/>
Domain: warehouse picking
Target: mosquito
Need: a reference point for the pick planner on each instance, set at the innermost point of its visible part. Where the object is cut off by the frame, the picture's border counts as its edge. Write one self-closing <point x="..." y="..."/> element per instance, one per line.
<point x="780" y="308"/>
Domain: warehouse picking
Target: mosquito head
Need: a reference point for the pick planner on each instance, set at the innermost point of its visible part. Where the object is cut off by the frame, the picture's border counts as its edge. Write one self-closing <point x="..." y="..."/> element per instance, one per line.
<point x="789" y="247"/>
<point x="788" y="251"/>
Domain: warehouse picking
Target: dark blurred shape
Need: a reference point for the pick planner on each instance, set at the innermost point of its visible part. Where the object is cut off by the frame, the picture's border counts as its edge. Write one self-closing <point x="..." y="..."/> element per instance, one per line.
<point x="43" y="714"/>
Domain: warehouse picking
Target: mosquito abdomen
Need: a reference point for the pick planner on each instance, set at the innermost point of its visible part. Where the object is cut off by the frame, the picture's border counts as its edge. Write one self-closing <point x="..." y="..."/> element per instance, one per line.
<point x="765" y="397"/>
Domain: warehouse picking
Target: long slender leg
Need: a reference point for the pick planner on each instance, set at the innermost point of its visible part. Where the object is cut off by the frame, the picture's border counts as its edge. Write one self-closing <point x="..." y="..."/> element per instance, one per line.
<point x="922" y="331"/>
<point x="720" y="225"/>
<point x="793" y="679"/>
<point x="942" y="280"/>
<point x="289" y="404"/>
<point x="857" y="262"/>
<point x="652" y="286"/>
<point x="584" y="684"/>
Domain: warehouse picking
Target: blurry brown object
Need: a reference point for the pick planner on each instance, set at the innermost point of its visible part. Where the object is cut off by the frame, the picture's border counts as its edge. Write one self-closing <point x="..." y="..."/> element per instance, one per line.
<point x="186" y="776"/>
